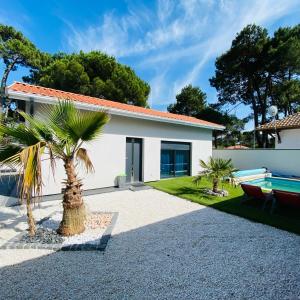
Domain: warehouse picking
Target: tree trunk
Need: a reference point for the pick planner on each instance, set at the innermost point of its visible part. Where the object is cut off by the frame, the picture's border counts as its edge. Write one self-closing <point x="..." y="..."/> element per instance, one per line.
<point x="251" y="96"/>
<point x="4" y="80"/>
<point x="263" y="121"/>
<point x="263" y="109"/>
<point x="256" y="123"/>
<point x="215" y="185"/>
<point x="30" y="218"/>
<point x="215" y="135"/>
<point x="74" y="213"/>
<point x="288" y="96"/>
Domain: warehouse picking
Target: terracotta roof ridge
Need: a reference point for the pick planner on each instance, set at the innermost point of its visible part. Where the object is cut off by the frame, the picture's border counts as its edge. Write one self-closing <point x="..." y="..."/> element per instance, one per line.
<point x="289" y="122"/>
<point x="40" y="90"/>
<point x="55" y="90"/>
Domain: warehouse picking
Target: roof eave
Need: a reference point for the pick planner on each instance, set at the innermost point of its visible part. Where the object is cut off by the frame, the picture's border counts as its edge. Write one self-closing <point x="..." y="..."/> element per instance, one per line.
<point x="278" y="128"/>
<point x="113" y="111"/>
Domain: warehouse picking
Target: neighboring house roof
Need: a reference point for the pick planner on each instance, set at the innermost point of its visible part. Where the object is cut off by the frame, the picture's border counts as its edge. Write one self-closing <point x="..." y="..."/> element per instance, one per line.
<point x="235" y="147"/>
<point x="32" y="90"/>
<point x="289" y="122"/>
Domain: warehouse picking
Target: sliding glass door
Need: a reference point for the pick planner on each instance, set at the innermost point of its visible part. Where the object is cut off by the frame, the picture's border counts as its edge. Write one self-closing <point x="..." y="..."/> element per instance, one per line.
<point x="175" y="159"/>
<point x="167" y="164"/>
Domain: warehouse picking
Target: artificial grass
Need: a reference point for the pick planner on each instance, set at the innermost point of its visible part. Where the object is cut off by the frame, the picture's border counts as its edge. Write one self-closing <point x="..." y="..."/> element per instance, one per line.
<point x="183" y="187"/>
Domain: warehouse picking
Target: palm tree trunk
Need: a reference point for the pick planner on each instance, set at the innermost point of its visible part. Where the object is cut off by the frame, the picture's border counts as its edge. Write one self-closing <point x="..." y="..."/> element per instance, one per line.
<point x="215" y="185"/>
<point x="30" y="218"/>
<point x="73" y="208"/>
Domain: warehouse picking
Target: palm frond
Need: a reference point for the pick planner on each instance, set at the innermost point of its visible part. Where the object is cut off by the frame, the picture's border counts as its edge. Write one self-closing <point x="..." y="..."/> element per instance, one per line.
<point x="58" y="117"/>
<point x="32" y="170"/>
<point x="52" y="157"/>
<point x="82" y="156"/>
<point x="201" y="174"/>
<point x="197" y="179"/>
<point x="89" y="125"/>
<point x="215" y="169"/>
<point x="21" y="134"/>
<point x="27" y="162"/>
<point x="61" y="131"/>
<point x="203" y="164"/>
<point x="39" y="126"/>
<point x="72" y="125"/>
<point x="7" y="151"/>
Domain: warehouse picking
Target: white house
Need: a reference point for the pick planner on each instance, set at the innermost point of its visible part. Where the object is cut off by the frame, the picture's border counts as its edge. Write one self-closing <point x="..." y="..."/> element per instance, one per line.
<point x="287" y="131"/>
<point x="144" y="144"/>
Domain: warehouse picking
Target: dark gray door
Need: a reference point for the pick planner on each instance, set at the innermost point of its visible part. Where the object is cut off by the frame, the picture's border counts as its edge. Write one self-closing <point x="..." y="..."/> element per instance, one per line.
<point x="133" y="160"/>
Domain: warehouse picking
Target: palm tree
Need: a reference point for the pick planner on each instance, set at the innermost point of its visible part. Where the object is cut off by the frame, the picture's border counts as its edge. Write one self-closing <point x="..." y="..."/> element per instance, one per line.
<point x="215" y="169"/>
<point x="57" y="133"/>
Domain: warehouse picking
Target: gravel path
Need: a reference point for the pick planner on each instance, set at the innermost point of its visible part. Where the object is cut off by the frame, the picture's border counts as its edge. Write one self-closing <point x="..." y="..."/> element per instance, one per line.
<point x="162" y="247"/>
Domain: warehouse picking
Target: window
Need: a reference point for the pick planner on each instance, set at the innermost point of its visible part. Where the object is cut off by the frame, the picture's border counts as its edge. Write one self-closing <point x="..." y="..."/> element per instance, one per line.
<point x="175" y="159"/>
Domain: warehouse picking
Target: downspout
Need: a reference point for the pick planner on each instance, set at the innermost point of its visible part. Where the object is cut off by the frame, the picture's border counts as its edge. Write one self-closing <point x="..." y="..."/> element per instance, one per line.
<point x="278" y="136"/>
<point x="31" y="106"/>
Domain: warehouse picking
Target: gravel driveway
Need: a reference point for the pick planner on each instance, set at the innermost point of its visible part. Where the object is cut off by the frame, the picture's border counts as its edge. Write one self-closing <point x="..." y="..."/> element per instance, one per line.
<point x="162" y="247"/>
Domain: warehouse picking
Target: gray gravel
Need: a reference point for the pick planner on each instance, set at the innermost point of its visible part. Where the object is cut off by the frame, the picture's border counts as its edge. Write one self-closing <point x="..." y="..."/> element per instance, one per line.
<point x="162" y="248"/>
<point x="43" y="236"/>
<point x="89" y="236"/>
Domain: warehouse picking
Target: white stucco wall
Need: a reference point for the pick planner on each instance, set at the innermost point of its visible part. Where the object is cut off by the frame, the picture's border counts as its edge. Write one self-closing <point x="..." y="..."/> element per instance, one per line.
<point x="290" y="139"/>
<point x="108" y="153"/>
<point x="284" y="162"/>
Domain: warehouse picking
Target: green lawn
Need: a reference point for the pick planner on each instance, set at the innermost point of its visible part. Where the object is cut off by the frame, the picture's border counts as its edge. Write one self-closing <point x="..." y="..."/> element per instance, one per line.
<point x="183" y="187"/>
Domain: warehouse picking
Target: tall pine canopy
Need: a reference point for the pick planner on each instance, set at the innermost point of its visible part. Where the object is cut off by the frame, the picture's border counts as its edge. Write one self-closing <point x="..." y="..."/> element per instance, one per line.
<point x="190" y="101"/>
<point x="260" y="71"/>
<point x="93" y="74"/>
<point x="16" y="50"/>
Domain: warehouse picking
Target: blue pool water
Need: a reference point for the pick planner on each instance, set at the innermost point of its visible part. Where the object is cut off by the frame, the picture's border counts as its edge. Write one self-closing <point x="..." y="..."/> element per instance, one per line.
<point x="270" y="183"/>
<point x="249" y="172"/>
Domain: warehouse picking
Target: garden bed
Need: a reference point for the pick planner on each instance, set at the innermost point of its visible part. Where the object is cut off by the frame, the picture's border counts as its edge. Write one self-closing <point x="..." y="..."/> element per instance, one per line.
<point x="98" y="230"/>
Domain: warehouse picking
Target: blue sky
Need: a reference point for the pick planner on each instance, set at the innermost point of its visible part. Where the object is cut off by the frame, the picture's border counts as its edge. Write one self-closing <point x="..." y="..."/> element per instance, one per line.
<point x="169" y="43"/>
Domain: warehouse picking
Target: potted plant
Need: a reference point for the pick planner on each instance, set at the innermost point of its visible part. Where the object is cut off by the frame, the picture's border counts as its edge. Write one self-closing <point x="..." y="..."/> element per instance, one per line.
<point x="121" y="180"/>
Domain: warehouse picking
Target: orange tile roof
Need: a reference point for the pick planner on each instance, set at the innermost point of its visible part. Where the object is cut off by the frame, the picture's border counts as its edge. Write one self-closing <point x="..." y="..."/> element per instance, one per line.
<point x="289" y="122"/>
<point x="42" y="91"/>
<point x="236" y="147"/>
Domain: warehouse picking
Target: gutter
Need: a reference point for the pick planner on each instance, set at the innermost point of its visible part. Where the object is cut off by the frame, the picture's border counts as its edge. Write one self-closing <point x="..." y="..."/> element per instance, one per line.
<point x="113" y="111"/>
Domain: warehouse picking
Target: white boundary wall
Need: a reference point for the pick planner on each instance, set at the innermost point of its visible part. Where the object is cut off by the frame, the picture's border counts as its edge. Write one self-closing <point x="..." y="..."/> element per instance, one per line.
<point x="286" y="162"/>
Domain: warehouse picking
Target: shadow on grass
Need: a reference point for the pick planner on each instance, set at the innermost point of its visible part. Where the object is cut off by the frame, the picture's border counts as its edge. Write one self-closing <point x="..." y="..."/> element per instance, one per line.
<point x="199" y="192"/>
<point x="283" y="218"/>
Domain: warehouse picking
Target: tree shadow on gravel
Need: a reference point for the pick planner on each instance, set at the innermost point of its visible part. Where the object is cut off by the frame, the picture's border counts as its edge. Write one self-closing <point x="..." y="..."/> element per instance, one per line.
<point x="11" y="221"/>
<point x="204" y="254"/>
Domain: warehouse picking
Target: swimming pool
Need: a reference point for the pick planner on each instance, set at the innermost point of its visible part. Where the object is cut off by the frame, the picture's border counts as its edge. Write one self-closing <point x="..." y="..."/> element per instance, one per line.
<point x="274" y="183"/>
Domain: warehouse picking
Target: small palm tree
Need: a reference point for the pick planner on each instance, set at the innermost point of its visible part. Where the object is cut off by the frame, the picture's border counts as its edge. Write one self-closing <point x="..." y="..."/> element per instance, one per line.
<point x="215" y="169"/>
<point x="57" y="133"/>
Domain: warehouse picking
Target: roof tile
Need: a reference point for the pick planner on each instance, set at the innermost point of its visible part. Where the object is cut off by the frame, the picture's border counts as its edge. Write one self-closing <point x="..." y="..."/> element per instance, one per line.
<point x="289" y="122"/>
<point x="42" y="91"/>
